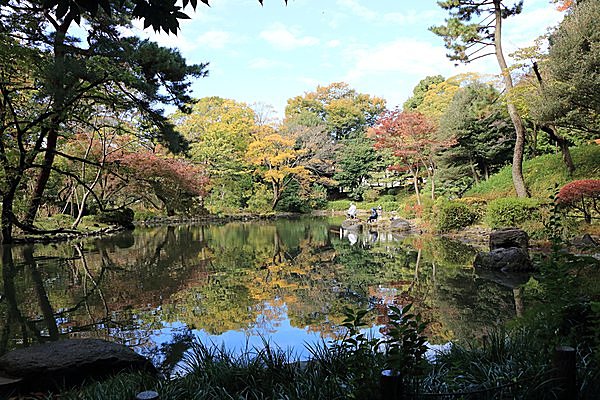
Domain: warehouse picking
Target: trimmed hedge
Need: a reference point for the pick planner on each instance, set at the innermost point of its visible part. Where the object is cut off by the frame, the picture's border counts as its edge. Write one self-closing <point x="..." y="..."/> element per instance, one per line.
<point x="512" y="211"/>
<point x="453" y="215"/>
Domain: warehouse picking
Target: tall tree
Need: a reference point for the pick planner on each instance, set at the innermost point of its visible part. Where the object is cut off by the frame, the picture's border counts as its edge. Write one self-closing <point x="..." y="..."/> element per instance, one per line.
<point x="469" y="41"/>
<point x="355" y="163"/>
<point x="478" y="122"/>
<point x="277" y="162"/>
<point x="411" y="138"/>
<point x="65" y="76"/>
<point x="571" y="94"/>
<point x="529" y="96"/>
<point x="219" y="132"/>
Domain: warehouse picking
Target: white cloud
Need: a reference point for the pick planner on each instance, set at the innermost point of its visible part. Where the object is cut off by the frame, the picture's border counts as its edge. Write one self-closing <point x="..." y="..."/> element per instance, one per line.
<point x="404" y="56"/>
<point x="358" y="9"/>
<point x="521" y="30"/>
<point x="266" y="63"/>
<point x="393" y="69"/>
<point x="333" y="43"/>
<point x="283" y="38"/>
<point x="412" y="17"/>
<point x="214" y="39"/>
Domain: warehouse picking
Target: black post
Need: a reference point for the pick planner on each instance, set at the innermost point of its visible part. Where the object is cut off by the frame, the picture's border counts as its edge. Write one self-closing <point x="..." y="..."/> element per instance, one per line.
<point x="390" y="383"/>
<point x="565" y="369"/>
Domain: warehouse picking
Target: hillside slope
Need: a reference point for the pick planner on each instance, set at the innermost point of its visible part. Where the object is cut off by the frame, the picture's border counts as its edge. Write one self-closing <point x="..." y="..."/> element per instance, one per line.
<point x="542" y="174"/>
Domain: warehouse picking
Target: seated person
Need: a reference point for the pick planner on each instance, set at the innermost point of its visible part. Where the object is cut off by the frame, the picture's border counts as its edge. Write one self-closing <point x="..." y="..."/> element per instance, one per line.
<point x="373" y="216"/>
<point x="351" y="213"/>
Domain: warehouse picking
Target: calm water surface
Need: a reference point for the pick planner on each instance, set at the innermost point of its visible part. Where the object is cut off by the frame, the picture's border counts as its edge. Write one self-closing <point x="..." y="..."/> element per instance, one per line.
<point x="286" y="281"/>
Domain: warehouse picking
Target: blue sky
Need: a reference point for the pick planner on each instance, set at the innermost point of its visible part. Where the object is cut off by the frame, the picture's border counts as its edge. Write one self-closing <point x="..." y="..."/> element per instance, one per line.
<point x="380" y="47"/>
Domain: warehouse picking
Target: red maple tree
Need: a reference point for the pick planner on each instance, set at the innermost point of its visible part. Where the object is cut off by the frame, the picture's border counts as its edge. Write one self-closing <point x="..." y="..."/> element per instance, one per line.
<point x="173" y="181"/>
<point x="582" y="195"/>
<point x="411" y="138"/>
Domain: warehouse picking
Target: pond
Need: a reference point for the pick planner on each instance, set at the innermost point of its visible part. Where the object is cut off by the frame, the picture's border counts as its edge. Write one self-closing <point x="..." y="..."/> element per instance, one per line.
<point x="237" y="284"/>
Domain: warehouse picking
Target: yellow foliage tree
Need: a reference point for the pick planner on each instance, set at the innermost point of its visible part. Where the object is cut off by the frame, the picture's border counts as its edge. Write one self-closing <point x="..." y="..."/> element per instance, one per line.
<point x="277" y="161"/>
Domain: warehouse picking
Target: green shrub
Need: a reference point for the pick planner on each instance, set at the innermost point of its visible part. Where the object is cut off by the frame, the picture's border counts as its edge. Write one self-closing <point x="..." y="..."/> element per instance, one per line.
<point x="370" y="195"/>
<point x="317" y="199"/>
<point x="511" y="211"/>
<point x="452" y="215"/>
<point x="388" y="198"/>
<point x="144" y="215"/>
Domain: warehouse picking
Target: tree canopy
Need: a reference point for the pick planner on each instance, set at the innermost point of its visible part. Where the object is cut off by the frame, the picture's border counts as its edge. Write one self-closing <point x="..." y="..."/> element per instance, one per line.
<point x="343" y="111"/>
<point x="570" y="97"/>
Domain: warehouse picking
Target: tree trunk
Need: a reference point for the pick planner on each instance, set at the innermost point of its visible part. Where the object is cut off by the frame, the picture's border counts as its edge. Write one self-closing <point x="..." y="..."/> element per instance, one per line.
<point x="85" y="197"/>
<point x="277" y="190"/>
<point x="562" y="144"/>
<point x="474" y="172"/>
<point x="517" y="162"/>
<point x="432" y="177"/>
<point x="416" y="184"/>
<point x="58" y="109"/>
<point x="42" y="179"/>
<point x="551" y="130"/>
<point x="7" y="216"/>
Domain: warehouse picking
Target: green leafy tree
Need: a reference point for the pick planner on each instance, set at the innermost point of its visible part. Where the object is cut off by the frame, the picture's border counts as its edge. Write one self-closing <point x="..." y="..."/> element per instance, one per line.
<point x="356" y="162"/>
<point x="63" y="76"/>
<point x="219" y="132"/>
<point x="419" y="91"/>
<point x="570" y="98"/>
<point x="468" y="40"/>
<point x="343" y="111"/>
<point x="481" y="128"/>
<point x="528" y="96"/>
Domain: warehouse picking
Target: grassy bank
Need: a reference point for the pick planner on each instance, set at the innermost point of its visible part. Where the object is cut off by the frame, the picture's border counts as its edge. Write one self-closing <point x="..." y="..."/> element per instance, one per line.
<point x="542" y="174"/>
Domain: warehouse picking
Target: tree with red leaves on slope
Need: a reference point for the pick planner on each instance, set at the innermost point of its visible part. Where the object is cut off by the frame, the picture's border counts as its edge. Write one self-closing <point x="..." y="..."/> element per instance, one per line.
<point x="582" y="195"/>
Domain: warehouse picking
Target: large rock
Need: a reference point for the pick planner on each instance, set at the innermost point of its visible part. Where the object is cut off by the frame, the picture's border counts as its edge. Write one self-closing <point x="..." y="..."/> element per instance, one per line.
<point x="512" y="259"/>
<point x="509" y="237"/>
<point x="399" y="224"/>
<point x="352" y="225"/>
<point x="70" y="362"/>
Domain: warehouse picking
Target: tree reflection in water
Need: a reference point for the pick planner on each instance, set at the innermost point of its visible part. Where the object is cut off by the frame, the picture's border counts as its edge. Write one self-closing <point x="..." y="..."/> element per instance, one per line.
<point x="289" y="280"/>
